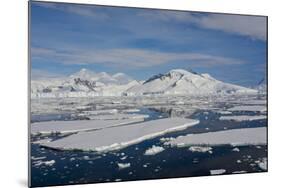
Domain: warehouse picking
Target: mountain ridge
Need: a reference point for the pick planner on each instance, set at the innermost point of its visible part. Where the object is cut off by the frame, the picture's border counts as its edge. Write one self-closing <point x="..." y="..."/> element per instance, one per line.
<point x="174" y="82"/>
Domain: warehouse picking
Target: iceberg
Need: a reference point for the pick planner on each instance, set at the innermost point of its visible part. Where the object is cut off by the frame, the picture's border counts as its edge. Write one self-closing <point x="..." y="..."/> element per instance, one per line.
<point x="116" y="138"/>
<point x="50" y="127"/>
<point x="237" y="137"/>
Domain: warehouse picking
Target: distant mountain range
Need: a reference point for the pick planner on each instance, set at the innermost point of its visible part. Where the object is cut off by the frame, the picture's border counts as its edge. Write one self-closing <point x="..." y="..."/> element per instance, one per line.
<point x="86" y="83"/>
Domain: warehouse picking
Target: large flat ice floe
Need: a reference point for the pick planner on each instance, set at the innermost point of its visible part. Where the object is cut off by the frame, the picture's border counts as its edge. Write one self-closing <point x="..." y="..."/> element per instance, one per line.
<point x="242" y="118"/>
<point x="50" y="127"/>
<point x="120" y="137"/>
<point x="118" y="116"/>
<point x="245" y="136"/>
<point x="249" y="108"/>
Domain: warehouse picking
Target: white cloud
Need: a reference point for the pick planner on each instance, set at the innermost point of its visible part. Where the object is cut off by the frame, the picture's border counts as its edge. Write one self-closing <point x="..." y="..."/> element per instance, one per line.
<point x="130" y="58"/>
<point x="250" y="26"/>
<point x="82" y="10"/>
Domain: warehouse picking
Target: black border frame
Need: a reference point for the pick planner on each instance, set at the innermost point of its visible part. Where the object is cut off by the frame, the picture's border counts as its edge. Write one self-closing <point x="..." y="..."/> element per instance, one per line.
<point x="117" y="6"/>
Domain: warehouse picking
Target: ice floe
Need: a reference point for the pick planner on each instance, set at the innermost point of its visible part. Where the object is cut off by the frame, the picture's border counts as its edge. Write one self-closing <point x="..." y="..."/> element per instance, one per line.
<point x="101" y="112"/>
<point x="163" y="139"/>
<point x="239" y="172"/>
<point x="242" y="118"/>
<point x="217" y="172"/>
<point x="249" y="108"/>
<point x="122" y="136"/>
<point x="47" y="163"/>
<point x="50" y="127"/>
<point x="200" y="149"/>
<point x="235" y="137"/>
<point x="154" y="150"/>
<point x="123" y="165"/>
<point x="41" y="141"/>
<point x="117" y="116"/>
<point x="263" y="164"/>
<point x="131" y="110"/>
<point x="224" y="112"/>
<point x="37" y="158"/>
<point x="236" y="149"/>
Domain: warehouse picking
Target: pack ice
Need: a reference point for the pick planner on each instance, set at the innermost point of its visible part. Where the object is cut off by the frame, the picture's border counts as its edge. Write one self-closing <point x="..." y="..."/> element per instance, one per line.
<point x="120" y="137"/>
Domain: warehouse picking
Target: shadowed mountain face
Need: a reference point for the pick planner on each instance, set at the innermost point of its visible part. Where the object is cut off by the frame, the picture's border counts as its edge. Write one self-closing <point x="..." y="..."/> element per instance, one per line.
<point x="86" y="83"/>
<point x="182" y="82"/>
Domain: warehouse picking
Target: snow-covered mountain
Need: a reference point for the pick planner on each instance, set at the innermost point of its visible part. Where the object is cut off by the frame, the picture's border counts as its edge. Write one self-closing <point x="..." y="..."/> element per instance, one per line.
<point x="262" y="86"/>
<point x="86" y="83"/>
<point x="182" y="82"/>
<point x="102" y="77"/>
<point x="82" y="84"/>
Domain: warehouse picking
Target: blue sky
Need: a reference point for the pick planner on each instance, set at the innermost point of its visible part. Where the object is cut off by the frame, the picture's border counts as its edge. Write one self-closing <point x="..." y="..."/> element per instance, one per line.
<point x="144" y="42"/>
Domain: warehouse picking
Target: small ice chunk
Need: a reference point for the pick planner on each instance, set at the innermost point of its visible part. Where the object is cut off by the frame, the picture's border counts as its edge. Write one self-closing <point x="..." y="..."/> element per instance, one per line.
<point x="236" y="149"/>
<point x="47" y="163"/>
<point x="166" y="139"/>
<point x="263" y="164"/>
<point x="239" y="172"/>
<point x="72" y="159"/>
<point x="37" y="158"/>
<point x="200" y="149"/>
<point x="217" y="172"/>
<point x="154" y="150"/>
<point x="123" y="165"/>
